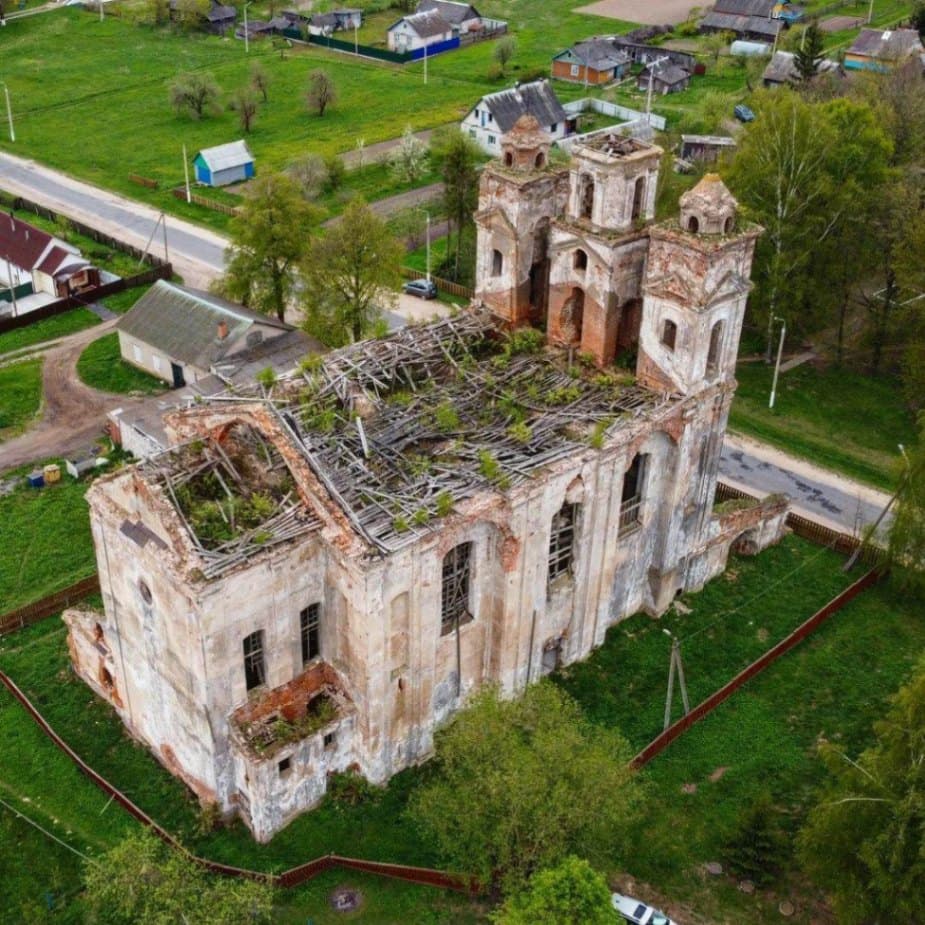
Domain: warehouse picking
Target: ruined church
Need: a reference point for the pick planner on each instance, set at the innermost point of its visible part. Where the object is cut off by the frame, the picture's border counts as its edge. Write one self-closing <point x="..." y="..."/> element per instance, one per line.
<point x="316" y="574"/>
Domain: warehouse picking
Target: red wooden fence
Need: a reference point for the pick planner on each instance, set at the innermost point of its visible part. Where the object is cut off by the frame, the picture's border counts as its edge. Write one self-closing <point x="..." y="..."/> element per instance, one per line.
<point x="805" y="629"/>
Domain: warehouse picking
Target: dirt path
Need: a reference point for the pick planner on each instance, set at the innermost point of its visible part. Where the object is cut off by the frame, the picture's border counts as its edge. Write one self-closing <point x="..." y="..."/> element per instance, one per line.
<point x="72" y="413"/>
<point x="375" y="154"/>
<point x="650" y="12"/>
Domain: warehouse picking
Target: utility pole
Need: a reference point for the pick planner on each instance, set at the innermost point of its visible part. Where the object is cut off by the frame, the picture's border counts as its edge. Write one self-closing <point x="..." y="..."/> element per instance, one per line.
<point x="780" y="353"/>
<point x="189" y="196"/>
<point x="247" y="46"/>
<point x="9" y="112"/>
<point x="870" y="13"/>
<point x="425" y="61"/>
<point x="675" y="666"/>
<point x="163" y="221"/>
<point x="101" y="10"/>
<point x="356" y="43"/>
<point x="652" y="67"/>
<point x="428" y="245"/>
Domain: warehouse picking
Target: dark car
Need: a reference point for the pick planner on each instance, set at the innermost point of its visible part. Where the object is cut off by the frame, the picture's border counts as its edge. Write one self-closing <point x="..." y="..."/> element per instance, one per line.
<point x="422" y="288"/>
<point x="743" y="113"/>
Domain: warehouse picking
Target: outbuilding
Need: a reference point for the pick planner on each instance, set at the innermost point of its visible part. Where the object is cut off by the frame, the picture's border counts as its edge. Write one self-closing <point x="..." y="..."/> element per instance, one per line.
<point x="224" y="164"/>
<point x="665" y="78"/>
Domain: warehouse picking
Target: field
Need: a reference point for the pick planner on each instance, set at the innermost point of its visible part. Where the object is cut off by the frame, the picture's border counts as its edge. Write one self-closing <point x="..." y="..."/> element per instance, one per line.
<point x="846" y="421"/>
<point x="38" y="332"/>
<point x="101" y="367"/>
<point x="764" y="737"/>
<point x="20" y="395"/>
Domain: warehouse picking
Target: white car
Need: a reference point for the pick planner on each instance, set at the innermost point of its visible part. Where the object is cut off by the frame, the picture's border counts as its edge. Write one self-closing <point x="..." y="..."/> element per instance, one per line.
<point x="638" y="913"/>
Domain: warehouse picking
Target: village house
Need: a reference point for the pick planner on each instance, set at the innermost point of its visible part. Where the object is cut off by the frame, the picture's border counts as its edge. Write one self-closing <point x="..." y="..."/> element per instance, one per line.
<point x="748" y="19"/>
<point x="220" y="19"/>
<point x="594" y="61"/>
<point x="496" y="113"/>
<point x="879" y="50"/>
<point x="182" y="335"/>
<point x="224" y="164"/>
<point x="33" y="261"/>
<point x="782" y="69"/>
<point x="664" y="78"/>
<point x="705" y="149"/>
<point x="339" y="20"/>
<point x="462" y="17"/>
<point x="419" y="30"/>
<point x="318" y="573"/>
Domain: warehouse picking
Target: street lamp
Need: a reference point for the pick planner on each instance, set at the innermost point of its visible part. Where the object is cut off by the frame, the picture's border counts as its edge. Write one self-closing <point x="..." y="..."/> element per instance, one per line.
<point x="9" y="112"/>
<point x="427" y="241"/>
<point x="780" y="352"/>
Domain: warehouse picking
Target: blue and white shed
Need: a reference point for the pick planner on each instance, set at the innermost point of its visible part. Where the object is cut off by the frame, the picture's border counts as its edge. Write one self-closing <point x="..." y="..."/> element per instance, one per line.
<point x="224" y="164"/>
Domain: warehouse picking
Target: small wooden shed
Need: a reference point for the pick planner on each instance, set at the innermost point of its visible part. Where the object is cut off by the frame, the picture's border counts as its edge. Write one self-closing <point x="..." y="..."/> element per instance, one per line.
<point x="224" y="164"/>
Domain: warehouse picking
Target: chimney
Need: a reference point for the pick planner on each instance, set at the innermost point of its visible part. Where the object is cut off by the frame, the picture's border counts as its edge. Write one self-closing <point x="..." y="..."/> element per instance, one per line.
<point x="222" y="330"/>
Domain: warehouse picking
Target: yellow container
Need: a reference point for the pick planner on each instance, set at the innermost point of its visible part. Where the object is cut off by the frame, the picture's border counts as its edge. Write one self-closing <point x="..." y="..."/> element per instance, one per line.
<point x="52" y="473"/>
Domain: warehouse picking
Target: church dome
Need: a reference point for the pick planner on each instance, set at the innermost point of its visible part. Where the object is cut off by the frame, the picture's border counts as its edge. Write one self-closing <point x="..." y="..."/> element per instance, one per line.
<point x="708" y="208"/>
<point x="526" y="145"/>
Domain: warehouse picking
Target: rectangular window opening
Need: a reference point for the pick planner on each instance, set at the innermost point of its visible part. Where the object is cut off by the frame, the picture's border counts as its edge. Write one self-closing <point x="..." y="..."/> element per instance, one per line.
<point x="255" y="671"/>
<point x="310" y="631"/>
<point x="285" y="766"/>
<point x="454" y="600"/>
<point x="562" y="541"/>
<point x="330" y="738"/>
<point x="632" y="497"/>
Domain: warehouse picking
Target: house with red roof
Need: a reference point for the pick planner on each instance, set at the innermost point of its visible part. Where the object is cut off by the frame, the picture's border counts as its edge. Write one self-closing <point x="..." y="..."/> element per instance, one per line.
<point x="33" y="261"/>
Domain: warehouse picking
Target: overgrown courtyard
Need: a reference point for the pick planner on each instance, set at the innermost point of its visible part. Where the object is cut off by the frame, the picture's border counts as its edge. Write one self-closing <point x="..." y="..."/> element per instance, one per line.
<point x="764" y="738"/>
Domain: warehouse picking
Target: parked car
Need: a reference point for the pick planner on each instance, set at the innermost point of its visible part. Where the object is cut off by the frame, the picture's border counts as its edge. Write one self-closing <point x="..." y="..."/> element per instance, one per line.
<point x="422" y="288"/>
<point x="743" y="113"/>
<point x="637" y="912"/>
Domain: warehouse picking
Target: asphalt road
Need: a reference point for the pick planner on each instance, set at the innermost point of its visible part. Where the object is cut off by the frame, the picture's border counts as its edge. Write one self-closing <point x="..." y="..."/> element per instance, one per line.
<point x="198" y="254"/>
<point x="815" y="493"/>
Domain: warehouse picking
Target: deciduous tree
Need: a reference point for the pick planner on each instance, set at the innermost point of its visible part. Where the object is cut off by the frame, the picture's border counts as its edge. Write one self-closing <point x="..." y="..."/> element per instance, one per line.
<point x="505" y="49"/>
<point x="459" y="159"/>
<point x="269" y="237"/>
<point x="520" y="784"/>
<point x="906" y="546"/>
<point x="195" y="93"/>
<point x="321" y="92"/>
<point x="192" y="13"/>
<point x="311" y="173"/>
<point x="571" y="893"/>
<point x="349" y="274"/>
<point x="244" y="103"/>
<point x="260" y="80"/>
<point x="864" y="841"/>
<point x="408" y="159"/>
<point x="141" y="881"/>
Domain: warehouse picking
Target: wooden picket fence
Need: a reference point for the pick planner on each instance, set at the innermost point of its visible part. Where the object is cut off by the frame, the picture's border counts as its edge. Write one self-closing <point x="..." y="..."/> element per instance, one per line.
<point x="180" y="193"/>
<point x="445" y="285"/>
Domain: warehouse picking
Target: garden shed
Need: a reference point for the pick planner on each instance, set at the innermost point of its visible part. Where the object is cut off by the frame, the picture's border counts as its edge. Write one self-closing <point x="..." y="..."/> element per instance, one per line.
<point x="224" y="164"/>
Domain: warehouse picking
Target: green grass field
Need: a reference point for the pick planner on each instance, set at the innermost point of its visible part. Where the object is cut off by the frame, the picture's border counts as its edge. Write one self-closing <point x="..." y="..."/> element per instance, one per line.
<point x="78" y="319"/>
<point x="20" y="396"/>
<point x="764" y="737"/>
<point x="45" y="541"/>
<point x="101" y="367"/>
<point x="842" y="420"/>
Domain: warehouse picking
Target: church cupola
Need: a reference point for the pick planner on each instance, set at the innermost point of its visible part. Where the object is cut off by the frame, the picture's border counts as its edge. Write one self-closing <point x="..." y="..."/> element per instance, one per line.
<point x="708" y="208"/>
<point x="526" y="145"/>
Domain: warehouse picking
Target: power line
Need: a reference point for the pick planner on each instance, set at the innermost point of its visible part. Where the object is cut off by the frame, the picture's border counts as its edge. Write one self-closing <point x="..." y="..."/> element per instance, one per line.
<point x="44" y="831"/>
<point x="750" y="601"/>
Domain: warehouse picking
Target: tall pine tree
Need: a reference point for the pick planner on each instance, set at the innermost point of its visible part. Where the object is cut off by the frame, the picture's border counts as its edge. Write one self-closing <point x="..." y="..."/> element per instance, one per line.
<point x="810" y="54"/>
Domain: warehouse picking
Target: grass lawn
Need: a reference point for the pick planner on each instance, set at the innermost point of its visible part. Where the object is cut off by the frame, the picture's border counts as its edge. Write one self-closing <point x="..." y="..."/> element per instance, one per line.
<point x="20" y="395"/>
<point x="121" y="302"/>
<point x="77" y="319"/>
<point x="764" y="737"/>
<point x="45" y="542"/>
<point x="839" y="419"/>
<point x="101" y="367"/>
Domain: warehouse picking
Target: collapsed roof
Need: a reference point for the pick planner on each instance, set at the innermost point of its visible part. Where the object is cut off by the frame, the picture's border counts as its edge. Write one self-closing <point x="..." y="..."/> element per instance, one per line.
<point x="402" y="429"/>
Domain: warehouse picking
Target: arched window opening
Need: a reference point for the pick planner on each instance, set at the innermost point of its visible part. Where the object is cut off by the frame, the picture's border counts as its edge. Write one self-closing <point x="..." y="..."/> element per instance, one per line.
<point x="497" y="262"/>
<point x="255" y="667"/>
<point x="454" y="593"/>
<point x="693" y="225"/>
<point x="580" y="260"/>
<point x="669" y="334"/>
<point x="539" y="161"/>
<point x="508" y="159"/>
<point x="716" y="345"/>
<point x="727" y="225"/>
<point x="562" y="541"/>
<point x="638" y="196"/>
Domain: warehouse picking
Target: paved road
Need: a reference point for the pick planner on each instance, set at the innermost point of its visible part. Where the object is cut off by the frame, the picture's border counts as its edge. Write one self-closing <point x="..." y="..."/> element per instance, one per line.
<point x="197" y="253"/>
<point x="815" y="493"/>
